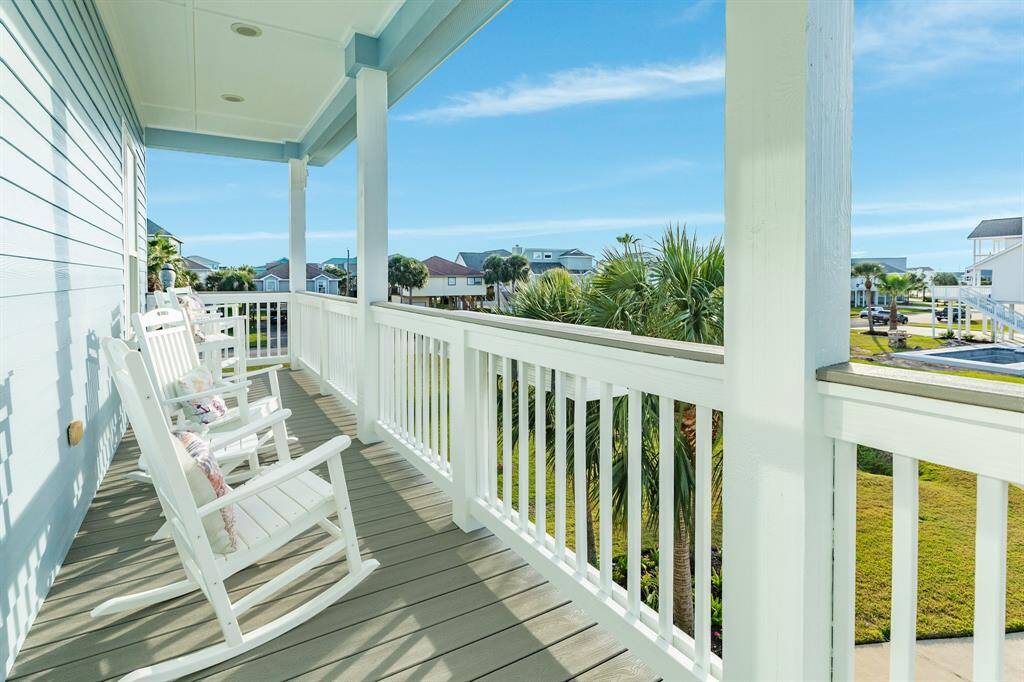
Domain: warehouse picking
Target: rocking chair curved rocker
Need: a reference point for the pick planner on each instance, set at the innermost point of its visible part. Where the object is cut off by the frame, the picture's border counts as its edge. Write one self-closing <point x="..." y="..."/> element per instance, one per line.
<point x="315" y="501"/>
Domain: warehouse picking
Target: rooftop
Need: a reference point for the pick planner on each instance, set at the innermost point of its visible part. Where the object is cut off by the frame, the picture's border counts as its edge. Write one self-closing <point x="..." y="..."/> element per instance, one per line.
<point x="997" y="227"/>
<point x="442" y="267"/>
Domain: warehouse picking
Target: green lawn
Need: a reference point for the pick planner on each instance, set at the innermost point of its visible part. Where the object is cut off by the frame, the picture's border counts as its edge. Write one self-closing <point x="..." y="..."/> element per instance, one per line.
<point x="946" y="555"/>
<point x="874" y="349"/>
<point x="946" y="547"/>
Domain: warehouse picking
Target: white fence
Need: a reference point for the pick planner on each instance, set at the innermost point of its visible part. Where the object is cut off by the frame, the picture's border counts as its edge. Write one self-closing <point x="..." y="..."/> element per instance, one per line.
<point x="488" y="407"/>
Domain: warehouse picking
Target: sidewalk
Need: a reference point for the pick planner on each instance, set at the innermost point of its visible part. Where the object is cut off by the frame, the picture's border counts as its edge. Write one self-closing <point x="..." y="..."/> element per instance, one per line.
<point x="938" y="659"/>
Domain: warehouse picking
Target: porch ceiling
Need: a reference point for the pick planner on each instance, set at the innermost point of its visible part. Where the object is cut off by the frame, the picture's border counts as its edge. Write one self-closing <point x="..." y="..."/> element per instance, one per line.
<point x="182" y="57"/>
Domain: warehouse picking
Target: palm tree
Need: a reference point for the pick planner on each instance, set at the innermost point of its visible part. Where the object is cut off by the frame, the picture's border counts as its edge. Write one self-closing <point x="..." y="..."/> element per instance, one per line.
<point x="871" y="272"/>
<point x="160" y="251"/>
<point x="495" y="274"/>
<point x="894" y="286"/>
<point x="407" y="273"/>
<point x="517" y="269"/>
<point x="676" y="293"/>
<point x="553" y="296"/>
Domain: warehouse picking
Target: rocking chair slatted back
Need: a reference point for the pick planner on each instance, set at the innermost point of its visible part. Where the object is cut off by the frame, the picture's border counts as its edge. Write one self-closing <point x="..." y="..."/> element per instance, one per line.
<point x="168" y="347"/>
<point x="139" y="397"/>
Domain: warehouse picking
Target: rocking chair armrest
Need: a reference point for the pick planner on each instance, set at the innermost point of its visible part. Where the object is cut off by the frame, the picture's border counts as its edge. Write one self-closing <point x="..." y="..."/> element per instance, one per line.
<point x="252" y="428"/>
<point x="219" y="388"/>
<point x="279" y="474"/>
<point x="257" y="372"/>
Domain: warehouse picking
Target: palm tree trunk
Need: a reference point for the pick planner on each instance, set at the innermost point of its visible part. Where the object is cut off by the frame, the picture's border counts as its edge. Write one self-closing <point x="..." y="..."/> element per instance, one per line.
<point x="893" y="312"/>
<point x="682" y="580"/>
<point x="591" y="541"/>
<point x="871" y="304"/>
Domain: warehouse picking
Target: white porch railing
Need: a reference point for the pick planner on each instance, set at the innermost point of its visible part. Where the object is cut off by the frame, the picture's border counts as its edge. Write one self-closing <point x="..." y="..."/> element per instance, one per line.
<point x="953" y="423"/>
<point x="466" y="397"/>
<point x="326" y="342"/>
<point x="267" y="313"/>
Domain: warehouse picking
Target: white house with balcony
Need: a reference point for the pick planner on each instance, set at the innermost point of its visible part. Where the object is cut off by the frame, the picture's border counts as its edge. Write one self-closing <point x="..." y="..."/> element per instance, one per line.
<point x="544" y="258"/>
<point x="476" y="578"/>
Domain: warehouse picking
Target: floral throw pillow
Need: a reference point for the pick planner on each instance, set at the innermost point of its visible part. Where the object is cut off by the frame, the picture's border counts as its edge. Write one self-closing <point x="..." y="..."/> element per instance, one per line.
<point x="206" y="481"/>
<point x="204" y="410"/>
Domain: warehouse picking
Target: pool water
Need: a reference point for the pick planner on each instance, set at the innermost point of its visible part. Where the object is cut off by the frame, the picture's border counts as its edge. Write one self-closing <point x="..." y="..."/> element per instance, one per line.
<point x="998" y="356"/>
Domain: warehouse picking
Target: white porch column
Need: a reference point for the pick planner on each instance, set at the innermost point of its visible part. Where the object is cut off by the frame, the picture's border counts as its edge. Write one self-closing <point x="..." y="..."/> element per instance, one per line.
<point x="371" y="235"/>
<point x="297" y="174"/>
<point x="788" y="113"/>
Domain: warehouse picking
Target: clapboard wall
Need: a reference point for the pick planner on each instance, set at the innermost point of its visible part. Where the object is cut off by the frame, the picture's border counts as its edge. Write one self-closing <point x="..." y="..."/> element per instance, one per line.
<point x="65" y="119"/>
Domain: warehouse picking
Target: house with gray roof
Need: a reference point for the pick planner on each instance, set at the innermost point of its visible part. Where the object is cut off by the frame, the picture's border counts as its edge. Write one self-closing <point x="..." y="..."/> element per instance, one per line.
<point x="994" y="235"/>
<point x="858" y="286"/>
<point x="542" y="259"/>
<point x="155" y="230"/>
<point x="475" y="259"/>
<point x="275" y="278"/>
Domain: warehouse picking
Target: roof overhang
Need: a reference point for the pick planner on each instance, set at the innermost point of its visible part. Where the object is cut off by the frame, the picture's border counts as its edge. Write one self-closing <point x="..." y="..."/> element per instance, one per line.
<point x="296" y="77"/>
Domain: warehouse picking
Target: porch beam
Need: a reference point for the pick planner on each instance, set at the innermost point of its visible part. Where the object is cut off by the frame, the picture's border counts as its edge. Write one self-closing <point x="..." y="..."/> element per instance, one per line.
<point x="418" y="38"/>
<point x="297" y="175"/>
<point x="371" y="237"/>
<point x="788" y="104"/>
<point x="219" y="145"/>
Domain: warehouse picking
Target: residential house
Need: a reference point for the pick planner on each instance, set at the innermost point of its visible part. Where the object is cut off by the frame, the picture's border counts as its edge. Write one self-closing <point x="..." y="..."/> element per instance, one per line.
<point x="475" y="259"/>
<point x="348" y="265"/>
<point x="998" y="259"/>
<point x="275" y="278"/>
<point x="576" y="261"/>
<point x="451" y="285"/>
<point x="155" y="230"/>
<point x="260" y="269"/>
<point x="202" y="267"/>
<point x="926" y="273"/>
<point x="858" y="290"/>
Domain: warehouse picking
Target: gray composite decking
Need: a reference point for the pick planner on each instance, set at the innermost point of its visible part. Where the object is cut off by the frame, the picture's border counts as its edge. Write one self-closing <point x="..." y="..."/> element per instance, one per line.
<point x="443" y="604"/>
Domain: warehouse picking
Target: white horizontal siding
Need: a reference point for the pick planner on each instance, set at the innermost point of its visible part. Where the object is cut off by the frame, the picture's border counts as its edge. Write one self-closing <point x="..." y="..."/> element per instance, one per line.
<point x="63" y="105"/>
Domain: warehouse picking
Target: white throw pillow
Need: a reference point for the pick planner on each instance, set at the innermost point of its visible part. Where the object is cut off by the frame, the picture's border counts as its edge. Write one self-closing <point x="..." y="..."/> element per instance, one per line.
<point x="203" y="410"/>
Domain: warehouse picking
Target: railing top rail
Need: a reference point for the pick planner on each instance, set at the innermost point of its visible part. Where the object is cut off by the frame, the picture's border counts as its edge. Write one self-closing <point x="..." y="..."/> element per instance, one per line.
<point x="999" y="395"/>
<point x="593" y="335"/>
<point x="232" y="296"/>
<point x="328" y="297"/>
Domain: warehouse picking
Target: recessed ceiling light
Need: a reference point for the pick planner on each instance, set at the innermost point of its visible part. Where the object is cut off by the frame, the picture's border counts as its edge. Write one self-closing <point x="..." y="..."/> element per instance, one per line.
<point x="232" y="98"/>
<point x="247" y="30"/>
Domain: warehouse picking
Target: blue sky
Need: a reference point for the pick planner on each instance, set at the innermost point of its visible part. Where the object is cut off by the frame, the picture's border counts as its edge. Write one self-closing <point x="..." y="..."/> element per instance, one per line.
<point x="568" y="123"/>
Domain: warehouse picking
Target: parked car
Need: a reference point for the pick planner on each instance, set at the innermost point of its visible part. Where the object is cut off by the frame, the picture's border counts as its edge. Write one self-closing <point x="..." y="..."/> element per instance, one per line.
<point x="942" y="313"/>
<point x="883" y="317"/>
<point x="876" y="309"/>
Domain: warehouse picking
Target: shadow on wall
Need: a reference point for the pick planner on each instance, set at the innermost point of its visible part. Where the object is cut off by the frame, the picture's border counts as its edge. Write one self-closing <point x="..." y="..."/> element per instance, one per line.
<point x="53" y="367"/>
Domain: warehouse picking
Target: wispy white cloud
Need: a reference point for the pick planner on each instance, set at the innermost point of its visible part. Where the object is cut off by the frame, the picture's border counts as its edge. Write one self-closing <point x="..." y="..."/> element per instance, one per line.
<point x="575" y="87"/>
<point x="1009" y="203"/>
<point x="519" y="228"/>
<point x="963" y="224"/>
<point x="965" y="252"/>
<point x="694" y="11"/>
<point x="620" y="176"/>
<point x="902" y="40"/>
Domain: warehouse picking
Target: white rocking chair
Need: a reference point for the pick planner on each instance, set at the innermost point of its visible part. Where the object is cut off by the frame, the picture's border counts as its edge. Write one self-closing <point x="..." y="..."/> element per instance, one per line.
<point x="168" y="350"/>
<point x="315" y="501"/>
<point x="215" y="328"/>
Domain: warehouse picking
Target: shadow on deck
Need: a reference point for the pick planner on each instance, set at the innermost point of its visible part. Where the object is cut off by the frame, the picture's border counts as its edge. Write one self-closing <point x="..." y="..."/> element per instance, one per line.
<point x="443" y="604"/>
